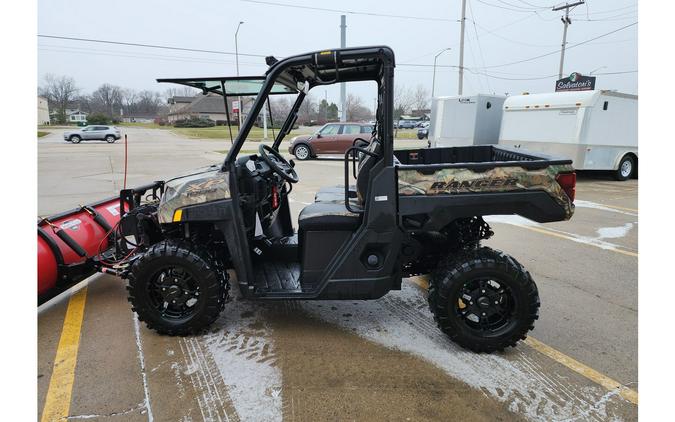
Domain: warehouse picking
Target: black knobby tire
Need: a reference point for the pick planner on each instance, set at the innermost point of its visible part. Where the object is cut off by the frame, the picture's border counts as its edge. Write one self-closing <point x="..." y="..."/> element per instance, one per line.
<point x="211" y="287"/>
<point x="447" y="287"/>
<point x="626" y="169"/>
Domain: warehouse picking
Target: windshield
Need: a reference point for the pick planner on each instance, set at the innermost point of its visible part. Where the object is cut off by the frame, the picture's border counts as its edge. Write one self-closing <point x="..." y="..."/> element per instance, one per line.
<point x="236" y="86"/>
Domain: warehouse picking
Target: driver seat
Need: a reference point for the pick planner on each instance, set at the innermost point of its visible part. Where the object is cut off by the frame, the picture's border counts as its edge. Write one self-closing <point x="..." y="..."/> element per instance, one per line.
<point x="333" y="215"/>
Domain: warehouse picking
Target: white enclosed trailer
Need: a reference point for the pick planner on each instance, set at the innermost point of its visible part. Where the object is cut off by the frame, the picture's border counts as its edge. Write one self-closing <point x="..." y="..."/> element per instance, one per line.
<point x="596" y="129"/>
<point x="465" y="120"/>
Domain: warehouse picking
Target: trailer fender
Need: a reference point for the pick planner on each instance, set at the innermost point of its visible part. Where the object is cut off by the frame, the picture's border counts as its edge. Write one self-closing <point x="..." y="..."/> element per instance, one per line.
<point x="622" y="154"/>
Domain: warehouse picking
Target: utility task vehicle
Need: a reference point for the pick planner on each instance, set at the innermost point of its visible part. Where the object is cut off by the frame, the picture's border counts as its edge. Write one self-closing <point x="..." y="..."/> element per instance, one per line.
<point x="409" y="212"/>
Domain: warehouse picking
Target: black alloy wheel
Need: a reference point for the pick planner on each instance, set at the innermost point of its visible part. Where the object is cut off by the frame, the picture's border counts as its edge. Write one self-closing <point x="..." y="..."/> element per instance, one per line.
<point x="176" y="289"/>
<point x="483" y="299"/>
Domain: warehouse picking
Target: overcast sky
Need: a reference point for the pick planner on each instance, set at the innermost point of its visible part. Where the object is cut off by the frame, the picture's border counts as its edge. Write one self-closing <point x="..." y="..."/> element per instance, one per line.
<point x="498" y="32"/>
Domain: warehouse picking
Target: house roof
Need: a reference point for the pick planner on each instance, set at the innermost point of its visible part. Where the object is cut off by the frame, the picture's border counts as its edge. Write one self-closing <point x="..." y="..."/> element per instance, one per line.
<point x="140" y="115"/>
<point x="179" y="99"/>
<point x="203" y="104"/>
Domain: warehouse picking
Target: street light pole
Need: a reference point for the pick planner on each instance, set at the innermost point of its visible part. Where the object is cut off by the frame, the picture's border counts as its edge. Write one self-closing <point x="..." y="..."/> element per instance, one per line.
<point x="433" y="80"/>
<point x="236" y="55"/>
<point x="460" y="84"/>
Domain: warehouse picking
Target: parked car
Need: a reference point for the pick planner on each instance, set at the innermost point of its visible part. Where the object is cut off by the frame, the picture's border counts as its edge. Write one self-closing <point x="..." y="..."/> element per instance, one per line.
<point x="406" y="124"/>
<point x="90" y="133"/>
<point x="332" y="138"/>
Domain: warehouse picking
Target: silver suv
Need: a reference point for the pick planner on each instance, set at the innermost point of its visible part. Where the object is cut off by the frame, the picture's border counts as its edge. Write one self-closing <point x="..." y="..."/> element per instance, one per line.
<point x="96" y="132"/>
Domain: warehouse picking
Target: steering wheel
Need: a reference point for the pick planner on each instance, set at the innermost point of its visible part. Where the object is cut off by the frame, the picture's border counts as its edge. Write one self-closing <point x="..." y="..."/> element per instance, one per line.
<point x="278" y="163"/>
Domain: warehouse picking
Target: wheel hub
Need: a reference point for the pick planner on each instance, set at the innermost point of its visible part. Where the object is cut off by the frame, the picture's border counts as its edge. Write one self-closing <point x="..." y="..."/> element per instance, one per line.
<point x="172" y="292"/>
<point x="483" y="302"/>
<point x="175" y="293"/>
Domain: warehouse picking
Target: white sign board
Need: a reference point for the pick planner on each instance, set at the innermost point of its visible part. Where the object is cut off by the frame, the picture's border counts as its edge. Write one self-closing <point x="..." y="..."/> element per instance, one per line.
<point x="235" y="106"/>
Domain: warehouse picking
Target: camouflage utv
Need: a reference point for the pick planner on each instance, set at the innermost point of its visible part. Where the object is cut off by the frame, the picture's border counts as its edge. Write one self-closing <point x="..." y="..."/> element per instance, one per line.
<point x="397" y="214"/>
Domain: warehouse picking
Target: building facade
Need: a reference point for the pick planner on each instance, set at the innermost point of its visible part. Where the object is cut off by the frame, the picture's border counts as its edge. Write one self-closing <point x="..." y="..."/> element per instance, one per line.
<point x="43" y="111"/>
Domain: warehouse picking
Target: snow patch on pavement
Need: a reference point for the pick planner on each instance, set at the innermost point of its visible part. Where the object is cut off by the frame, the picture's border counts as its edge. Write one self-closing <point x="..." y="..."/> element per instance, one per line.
<point x="605" y="232"/>
<point x="594" y="205"/>
<point x="614" y="232"/>
<point x="243" y="351"/>
<point x="402" y="321"/>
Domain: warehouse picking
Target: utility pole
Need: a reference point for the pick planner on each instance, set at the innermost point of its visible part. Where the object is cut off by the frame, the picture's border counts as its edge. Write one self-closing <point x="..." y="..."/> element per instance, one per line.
<point x="461" y="50"/>
<point x="566" y="21"/>
<point x="343" y="87"/>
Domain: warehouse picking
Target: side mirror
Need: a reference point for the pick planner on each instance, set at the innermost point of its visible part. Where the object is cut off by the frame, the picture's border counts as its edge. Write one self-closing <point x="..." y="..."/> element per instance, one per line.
<point x="318" y="135"/>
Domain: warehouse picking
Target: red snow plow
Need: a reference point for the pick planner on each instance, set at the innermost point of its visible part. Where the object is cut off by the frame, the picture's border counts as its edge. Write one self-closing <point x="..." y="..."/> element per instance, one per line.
<point x="77" y="243"/>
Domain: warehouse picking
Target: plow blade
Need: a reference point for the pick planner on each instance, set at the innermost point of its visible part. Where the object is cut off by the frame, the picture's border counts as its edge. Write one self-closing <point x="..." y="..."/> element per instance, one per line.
<point x="68" y="243"/>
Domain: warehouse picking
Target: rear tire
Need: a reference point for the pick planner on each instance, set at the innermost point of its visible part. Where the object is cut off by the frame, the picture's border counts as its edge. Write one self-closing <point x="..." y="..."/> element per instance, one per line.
<point x="176" y="289"/>
<point x="75" y="139"/>
<point x="503" y="300"/>
<point x="626" y="168"/>
<point x="302" y="152"/>
<point x="110" y="139"/>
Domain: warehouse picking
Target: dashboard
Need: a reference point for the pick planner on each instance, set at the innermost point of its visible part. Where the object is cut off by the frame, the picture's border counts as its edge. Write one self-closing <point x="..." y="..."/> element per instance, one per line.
<point x="262" y="193"/>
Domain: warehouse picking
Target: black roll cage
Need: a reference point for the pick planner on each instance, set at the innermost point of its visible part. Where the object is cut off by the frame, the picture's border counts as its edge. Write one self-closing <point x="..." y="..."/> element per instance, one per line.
<point x="317" y="68"/>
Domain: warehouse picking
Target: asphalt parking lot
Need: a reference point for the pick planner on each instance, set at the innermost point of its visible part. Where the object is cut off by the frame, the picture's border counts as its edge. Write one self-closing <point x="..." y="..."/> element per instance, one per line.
<point x="331" y="360"/>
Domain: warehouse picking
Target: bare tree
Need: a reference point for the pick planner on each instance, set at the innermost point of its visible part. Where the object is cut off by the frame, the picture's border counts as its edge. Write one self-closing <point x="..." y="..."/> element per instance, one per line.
<point x="280" y="109"/>
<point x="403" y="100"/>
<point x="184" y="91"/>
<point x="420" y="98"/>
<point x="308" y="110"/>
<point x="148" y="102"/>
<point x="59" y="91"/>
<point x="129" y="98"/>
<point x="355" y="109"/>
<point x="107" y="99"/>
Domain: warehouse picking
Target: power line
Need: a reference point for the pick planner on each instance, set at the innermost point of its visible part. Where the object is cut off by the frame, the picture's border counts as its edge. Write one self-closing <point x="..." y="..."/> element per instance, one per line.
<point x="530" y="8"/>
<point x="534" y="5"/>
<point x="620" y="16"/>
<point x="617" y="73"/>
<point x="351" y="12"/>
<point x="480" y="49"/>
<point x="165" y="47"/>
<point x="557" y="51"/>
<point x="74" y="50"/>
<point x="513" y="9"/>
<point x="492" y="32"/>
<point x="614" y="10"/>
